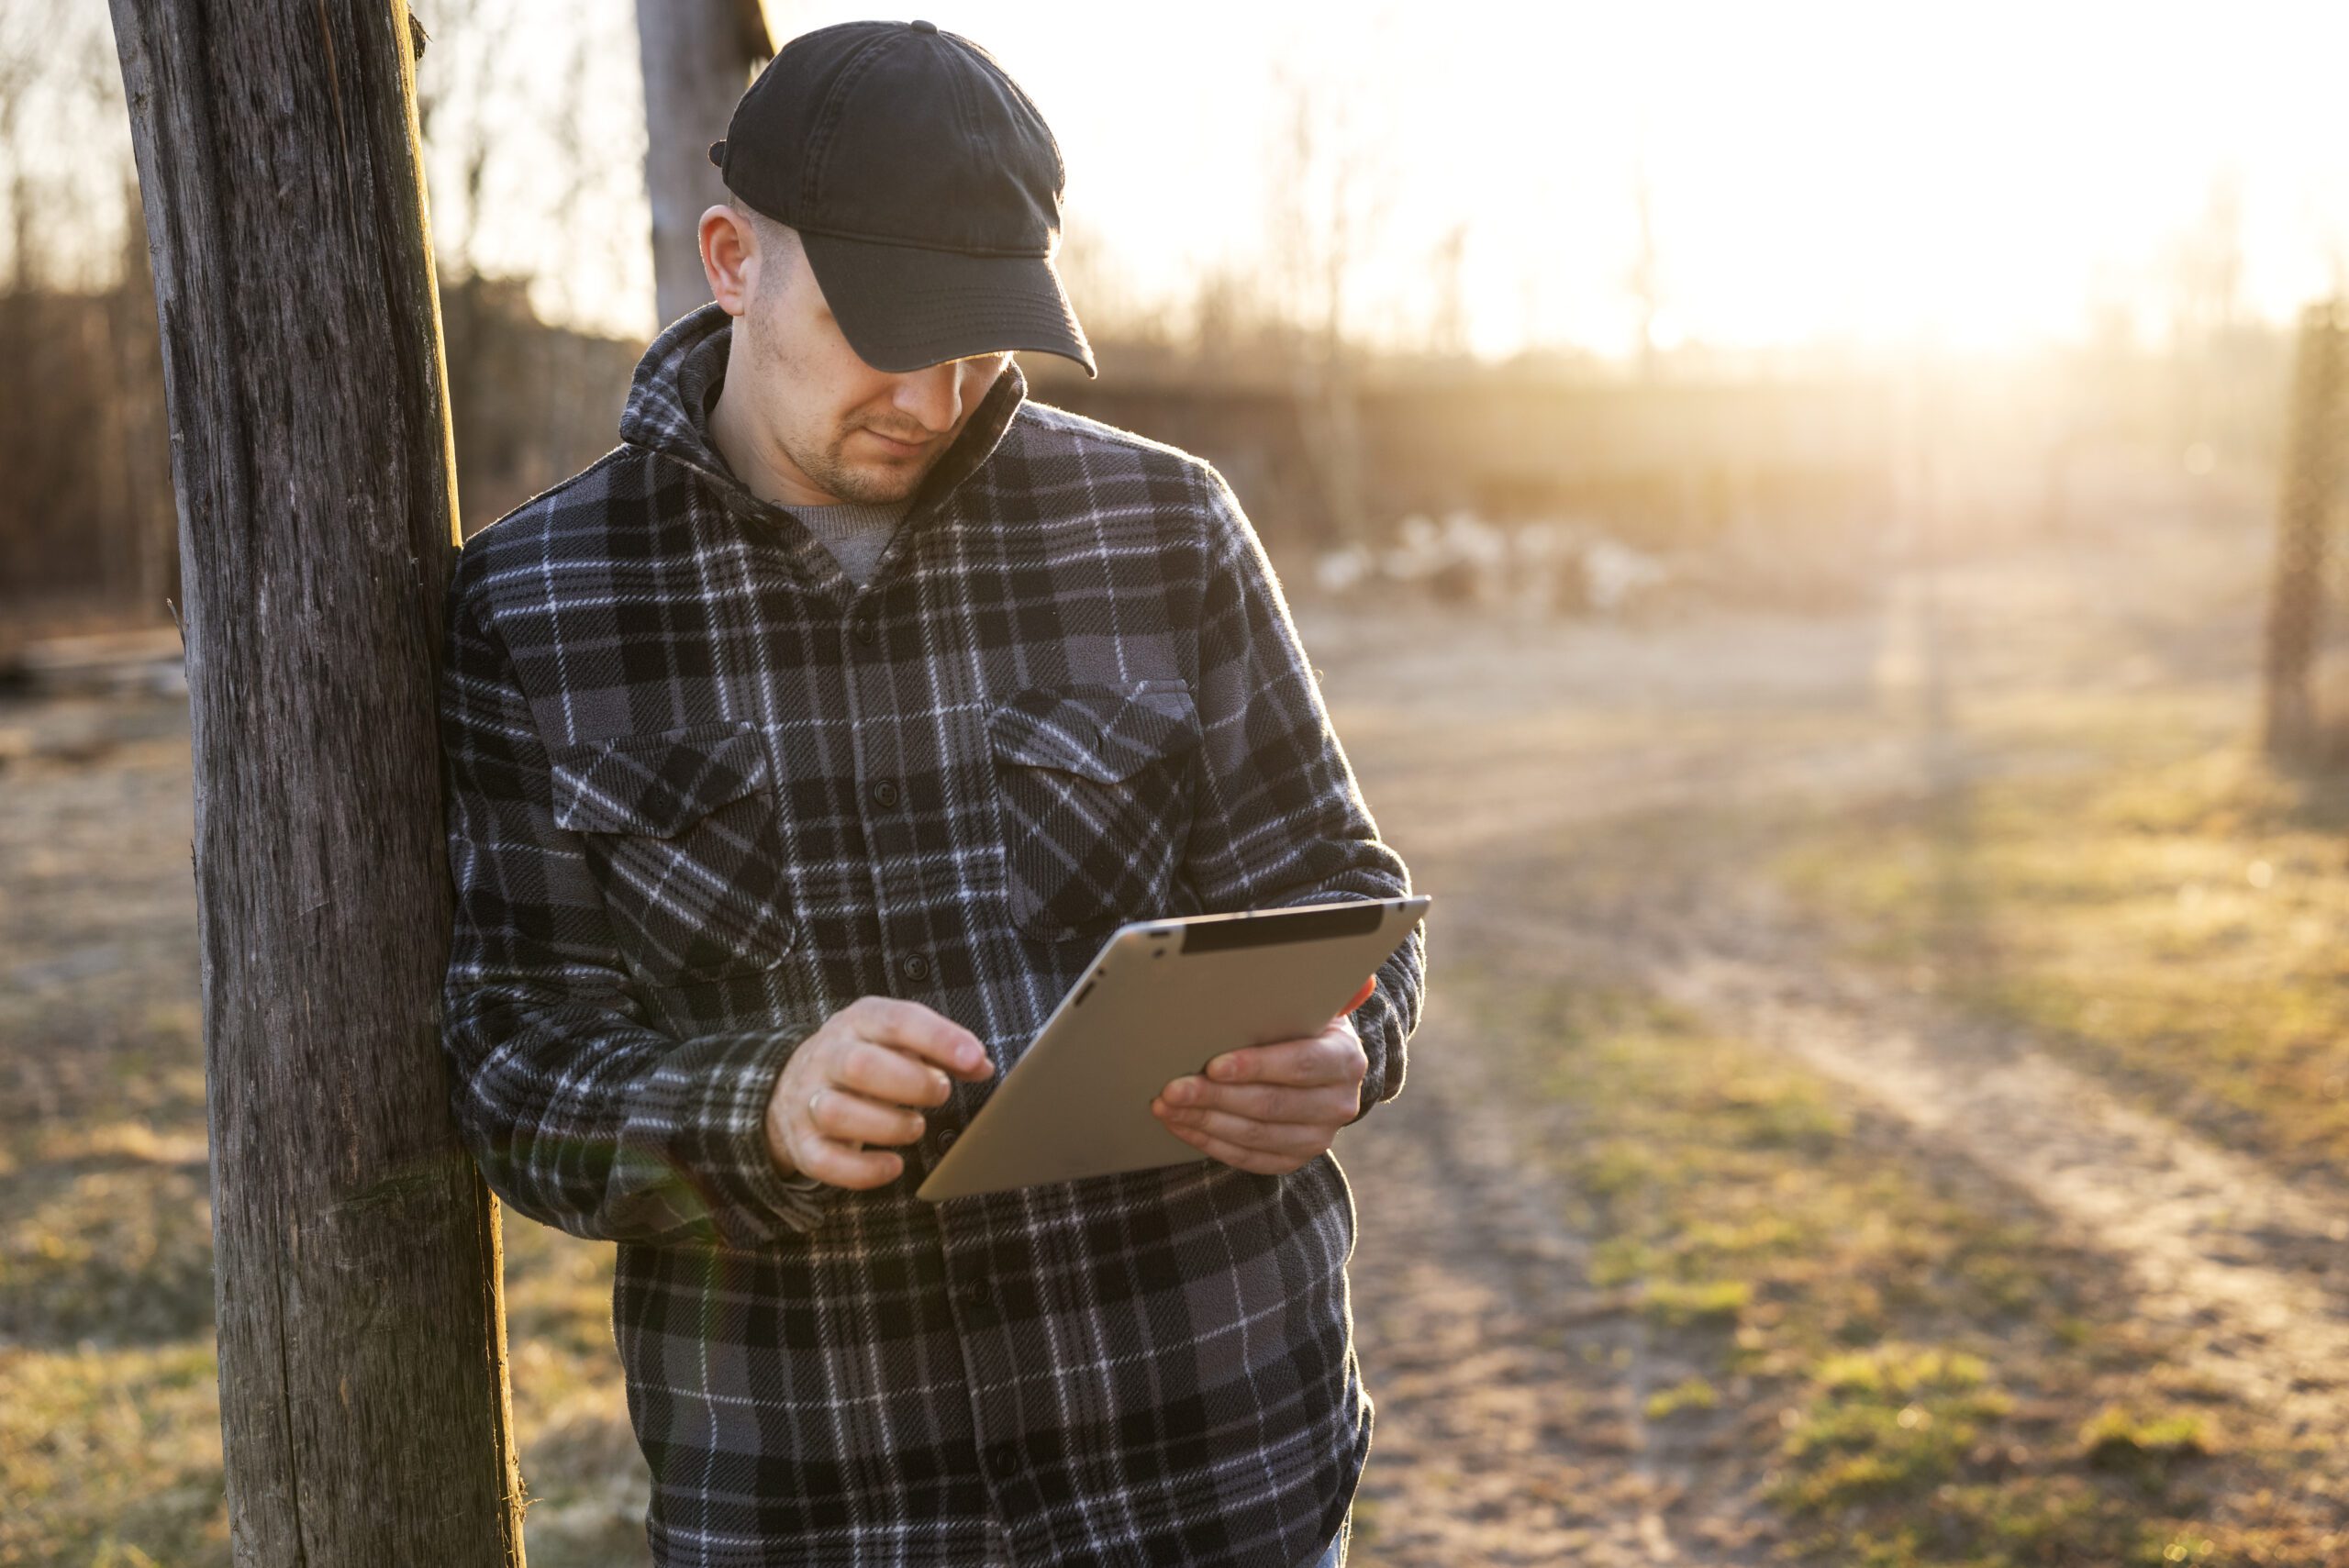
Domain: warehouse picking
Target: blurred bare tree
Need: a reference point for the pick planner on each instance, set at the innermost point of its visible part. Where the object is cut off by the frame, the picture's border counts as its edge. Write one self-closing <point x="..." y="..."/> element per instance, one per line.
<point x="518" y="135"/>
<point x="1646" y="278"/>
<point x="2204" y="273"/>
<point x="1330" y="208"/>
<point x="529" y="167"/>
<point x="20" y="65"/>
<point x="86" y="517"/>
<point x="1448" y="269"/>
<point x="698" y="57"/>
<point x="2206" y="267"/>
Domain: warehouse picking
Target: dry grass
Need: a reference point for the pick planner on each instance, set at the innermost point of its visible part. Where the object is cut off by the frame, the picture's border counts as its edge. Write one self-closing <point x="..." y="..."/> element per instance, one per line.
<point x="1897" y="1354"/>
<point x="109" y="1422"/>
<point x="2176" y="921"/>
<point x="1917" y="1369"/>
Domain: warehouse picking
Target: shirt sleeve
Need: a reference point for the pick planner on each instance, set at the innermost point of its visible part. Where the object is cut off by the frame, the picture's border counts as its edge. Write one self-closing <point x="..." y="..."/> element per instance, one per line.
<point x="581" y="1114"/>
<point x="1280" y="819"/>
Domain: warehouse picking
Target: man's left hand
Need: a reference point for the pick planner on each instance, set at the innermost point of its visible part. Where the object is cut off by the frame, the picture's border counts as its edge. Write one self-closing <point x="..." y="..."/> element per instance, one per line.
<point x="1270" y="1108"/>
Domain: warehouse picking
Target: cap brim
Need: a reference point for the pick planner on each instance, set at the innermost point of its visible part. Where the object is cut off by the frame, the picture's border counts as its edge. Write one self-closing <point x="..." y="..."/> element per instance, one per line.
<point x="902" y="308"/>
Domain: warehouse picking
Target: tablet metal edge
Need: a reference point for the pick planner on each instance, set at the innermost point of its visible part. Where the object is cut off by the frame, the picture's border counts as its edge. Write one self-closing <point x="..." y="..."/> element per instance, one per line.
<point x="1210" y="933"/>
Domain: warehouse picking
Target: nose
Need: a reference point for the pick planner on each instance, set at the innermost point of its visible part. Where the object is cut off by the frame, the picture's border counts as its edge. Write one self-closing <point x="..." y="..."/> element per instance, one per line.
<point x="932" y="396"/>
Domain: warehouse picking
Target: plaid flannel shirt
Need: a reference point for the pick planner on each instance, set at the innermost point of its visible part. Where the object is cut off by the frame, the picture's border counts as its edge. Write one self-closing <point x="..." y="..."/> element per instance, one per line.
<point x="703" y="791"/>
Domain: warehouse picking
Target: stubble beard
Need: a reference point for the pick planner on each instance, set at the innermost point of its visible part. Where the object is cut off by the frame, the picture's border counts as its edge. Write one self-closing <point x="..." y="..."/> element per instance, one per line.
<point x="869" y="485"/>
<point x="823" y="460"/>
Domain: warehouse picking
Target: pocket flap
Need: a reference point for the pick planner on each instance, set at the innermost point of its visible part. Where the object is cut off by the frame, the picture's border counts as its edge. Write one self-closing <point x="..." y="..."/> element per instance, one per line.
<point x="660" y="785"/>
<point x="1099" y="731"/>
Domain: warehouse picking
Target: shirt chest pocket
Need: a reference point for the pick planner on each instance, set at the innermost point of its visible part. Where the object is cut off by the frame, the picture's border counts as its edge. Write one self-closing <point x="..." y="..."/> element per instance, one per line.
<point x="680" y="833"/>
<point x="1096" y="784"/>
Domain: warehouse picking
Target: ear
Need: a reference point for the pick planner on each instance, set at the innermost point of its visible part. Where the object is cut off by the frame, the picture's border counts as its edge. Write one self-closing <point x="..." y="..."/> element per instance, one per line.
<point x="729" y="257"/>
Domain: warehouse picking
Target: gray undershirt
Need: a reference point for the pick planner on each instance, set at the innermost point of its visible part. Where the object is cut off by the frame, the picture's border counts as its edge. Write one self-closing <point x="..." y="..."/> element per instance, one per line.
<point x="856" y="533"/>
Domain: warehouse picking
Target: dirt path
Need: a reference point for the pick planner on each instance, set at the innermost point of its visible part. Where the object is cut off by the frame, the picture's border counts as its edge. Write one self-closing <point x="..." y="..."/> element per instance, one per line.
<point x="2248" y="1266"/>
<point x="1509" y="1393"/>
<point x="1498" y="1440"/>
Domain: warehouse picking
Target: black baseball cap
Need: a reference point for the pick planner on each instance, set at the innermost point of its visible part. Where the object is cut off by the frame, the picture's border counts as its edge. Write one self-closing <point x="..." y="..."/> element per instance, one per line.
<point x="924" y="185"/>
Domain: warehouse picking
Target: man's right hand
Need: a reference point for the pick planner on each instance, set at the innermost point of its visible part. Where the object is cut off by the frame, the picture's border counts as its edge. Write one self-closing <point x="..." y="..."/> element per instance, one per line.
<point x="865" y="1077"/>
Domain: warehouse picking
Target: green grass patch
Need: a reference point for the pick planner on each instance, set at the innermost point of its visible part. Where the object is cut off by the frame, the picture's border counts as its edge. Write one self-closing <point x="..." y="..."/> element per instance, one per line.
<point x="1683" y="1302"/>
<point x="1939" y="1379"/>
<point x="1888" y="1424"/>
<point x="1690" y="1394"/>
<point x="2118" y="1438"/>
<point x="2181" y="926"/>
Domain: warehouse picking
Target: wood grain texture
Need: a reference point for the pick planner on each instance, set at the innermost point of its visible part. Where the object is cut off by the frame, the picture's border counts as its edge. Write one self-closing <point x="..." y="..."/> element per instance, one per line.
<point x="362" y="1379"/>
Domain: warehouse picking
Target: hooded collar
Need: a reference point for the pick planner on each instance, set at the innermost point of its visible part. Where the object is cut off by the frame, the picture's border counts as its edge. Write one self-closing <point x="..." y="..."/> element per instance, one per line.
<point x="668" y="411"/>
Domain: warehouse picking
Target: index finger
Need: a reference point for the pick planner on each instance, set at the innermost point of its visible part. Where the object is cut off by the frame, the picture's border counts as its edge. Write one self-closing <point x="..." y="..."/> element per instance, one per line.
<point x="1330" y="1057"/>
<point x="919" y="1031"/>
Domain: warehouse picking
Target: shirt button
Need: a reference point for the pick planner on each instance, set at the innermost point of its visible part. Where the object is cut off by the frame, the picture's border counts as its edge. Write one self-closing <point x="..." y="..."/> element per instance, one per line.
<point x="885" y="793"/>
<point x="917" y="967"/>
<point x="863" y="631"/>
<point x="946" y="1140"/>
<point x="1003" y="1461"/>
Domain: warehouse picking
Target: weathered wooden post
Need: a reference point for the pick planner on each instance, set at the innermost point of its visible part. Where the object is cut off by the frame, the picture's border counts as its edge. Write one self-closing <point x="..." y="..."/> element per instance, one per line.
<point x="2309" y="489"/>
<point x="363" y="1385"/>
<point x="698" y="56"/>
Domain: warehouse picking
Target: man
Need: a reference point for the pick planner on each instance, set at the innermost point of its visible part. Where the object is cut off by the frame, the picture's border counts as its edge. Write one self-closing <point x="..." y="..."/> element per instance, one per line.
<point x="801" y="750"/>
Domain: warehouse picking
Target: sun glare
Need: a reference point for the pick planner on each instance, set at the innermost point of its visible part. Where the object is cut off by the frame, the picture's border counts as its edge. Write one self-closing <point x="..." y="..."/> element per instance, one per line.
<point x="1734" y="176"/>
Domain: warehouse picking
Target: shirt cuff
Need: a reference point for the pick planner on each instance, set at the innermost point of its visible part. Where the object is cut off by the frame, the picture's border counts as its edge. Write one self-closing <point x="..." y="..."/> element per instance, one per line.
<point x="720" y="1143"/>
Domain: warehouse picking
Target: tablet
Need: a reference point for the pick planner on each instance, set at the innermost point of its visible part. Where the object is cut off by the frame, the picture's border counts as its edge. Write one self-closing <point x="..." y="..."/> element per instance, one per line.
<point x="1161" y="999"/>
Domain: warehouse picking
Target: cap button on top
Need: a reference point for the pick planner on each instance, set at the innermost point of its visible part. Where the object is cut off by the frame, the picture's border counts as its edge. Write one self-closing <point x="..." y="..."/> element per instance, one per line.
<point x="923" y="27"/>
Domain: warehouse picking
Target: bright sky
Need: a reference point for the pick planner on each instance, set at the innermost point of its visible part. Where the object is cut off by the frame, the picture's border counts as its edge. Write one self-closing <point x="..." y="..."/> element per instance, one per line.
<point x="1819" y="170"/>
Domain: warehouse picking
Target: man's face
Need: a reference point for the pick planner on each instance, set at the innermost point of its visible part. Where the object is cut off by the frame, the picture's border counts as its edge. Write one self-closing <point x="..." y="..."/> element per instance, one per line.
<point x="823" y="415"/>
